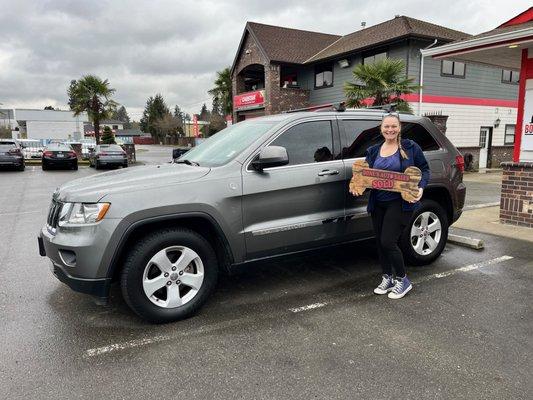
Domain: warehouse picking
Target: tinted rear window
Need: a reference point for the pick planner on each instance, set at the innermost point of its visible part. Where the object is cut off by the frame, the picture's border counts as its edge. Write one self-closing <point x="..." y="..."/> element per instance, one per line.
<point x="362" y="134"/>
<point x="111" y="148"/>
<point x="58" y="147"/>
<point x="7" y="146"/>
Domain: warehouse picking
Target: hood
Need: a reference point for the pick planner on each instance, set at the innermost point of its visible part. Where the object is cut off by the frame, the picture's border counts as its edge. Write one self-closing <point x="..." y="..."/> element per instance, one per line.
<point x="93" y="188"/>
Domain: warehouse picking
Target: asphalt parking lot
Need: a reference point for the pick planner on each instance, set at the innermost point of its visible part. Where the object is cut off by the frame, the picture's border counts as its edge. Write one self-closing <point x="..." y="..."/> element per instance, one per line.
<point x="299" y="327"/>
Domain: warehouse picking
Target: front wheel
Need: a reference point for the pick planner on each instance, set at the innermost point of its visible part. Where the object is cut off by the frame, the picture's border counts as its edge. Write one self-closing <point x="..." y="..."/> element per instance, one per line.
<point x="169" y="274"/>
<point x="425" y="236"/>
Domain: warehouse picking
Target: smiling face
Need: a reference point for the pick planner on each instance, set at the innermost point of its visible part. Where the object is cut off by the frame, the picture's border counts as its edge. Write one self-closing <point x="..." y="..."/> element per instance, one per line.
<point x="390" y="128"/>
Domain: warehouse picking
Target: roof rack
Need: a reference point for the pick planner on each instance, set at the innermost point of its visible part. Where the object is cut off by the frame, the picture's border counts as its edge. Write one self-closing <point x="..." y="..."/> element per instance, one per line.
<point x="340" y="107"/>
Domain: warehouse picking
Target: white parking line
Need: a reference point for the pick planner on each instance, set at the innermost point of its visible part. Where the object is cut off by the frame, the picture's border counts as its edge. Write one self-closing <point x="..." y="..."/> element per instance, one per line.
<point x="467" y="268"/>
<point x="225" y="324"/>
<point x="308" y="307"/>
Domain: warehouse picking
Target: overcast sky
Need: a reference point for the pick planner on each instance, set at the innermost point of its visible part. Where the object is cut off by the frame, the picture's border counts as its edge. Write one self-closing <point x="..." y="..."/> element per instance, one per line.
<point x="176" y="47"/>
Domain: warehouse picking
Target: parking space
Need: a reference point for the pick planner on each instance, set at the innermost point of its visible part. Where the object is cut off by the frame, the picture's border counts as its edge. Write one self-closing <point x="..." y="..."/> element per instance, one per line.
<point x="304" y="326"/>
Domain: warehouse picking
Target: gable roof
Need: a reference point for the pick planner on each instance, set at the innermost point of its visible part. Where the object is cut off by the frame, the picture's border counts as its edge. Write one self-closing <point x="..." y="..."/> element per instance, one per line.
<point x="287" y="44"/>
<point x="523" y="17"/>
<point x="392" y="29"/>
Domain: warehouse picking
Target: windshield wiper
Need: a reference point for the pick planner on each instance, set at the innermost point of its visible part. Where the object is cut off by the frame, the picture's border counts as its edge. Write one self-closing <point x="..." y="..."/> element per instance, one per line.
<point x="188" y="162"/>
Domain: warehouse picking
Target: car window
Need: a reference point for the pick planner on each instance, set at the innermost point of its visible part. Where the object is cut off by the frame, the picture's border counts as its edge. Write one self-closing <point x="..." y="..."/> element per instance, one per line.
<point x="420" y="135"/>
<point x="6" y="146"/>
<point x="58" y="147"/>
<point x="362" y="134"/>
<point x="308" y="142"/>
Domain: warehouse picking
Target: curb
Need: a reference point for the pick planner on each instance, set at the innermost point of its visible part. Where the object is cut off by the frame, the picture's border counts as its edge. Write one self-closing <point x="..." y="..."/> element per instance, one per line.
<point x="476" y="244"/>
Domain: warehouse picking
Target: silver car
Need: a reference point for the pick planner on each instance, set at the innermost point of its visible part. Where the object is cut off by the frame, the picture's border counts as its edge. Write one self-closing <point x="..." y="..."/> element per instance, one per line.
<point x="261" y="188"/>
<point x="108" y="155"/>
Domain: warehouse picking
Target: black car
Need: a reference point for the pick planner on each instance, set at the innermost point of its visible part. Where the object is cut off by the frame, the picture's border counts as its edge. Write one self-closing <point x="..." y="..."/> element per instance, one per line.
<point x="11" y="154"/>
<point x="109" y="155"/>
<point x="59" y="155"/>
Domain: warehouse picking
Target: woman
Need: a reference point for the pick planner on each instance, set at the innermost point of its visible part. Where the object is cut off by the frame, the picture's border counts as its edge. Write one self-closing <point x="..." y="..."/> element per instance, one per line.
<point x="390" y="213"/>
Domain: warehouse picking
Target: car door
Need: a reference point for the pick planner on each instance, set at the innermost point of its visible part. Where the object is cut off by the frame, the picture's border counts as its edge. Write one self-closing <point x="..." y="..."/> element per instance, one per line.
<point x="357" y="135"/>
<point x="299" y="205"/>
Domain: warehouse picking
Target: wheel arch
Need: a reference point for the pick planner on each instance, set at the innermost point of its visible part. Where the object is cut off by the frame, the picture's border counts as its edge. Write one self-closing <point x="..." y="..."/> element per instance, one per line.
<point x="440" y="195"/>
<point x="201" y="223"/>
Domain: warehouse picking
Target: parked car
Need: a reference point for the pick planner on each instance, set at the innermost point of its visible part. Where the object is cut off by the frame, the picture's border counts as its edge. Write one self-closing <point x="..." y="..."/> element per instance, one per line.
<point x="11" y="154"/>
<point x="108" y="155"/>
<point x="59" y="155"/>
<point x="87" y="145"/>
<point x="178" y="152"/>
<point x="31" y="148"/>
<point x="255" y="190"/>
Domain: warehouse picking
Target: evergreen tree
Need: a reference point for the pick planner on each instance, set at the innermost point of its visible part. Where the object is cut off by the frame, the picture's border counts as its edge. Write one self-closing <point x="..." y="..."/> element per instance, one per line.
<point x="204" y="115"/>
<point x="107" y="136"/>
<point x="122" y="115"/>
<point x="156" y="109"/>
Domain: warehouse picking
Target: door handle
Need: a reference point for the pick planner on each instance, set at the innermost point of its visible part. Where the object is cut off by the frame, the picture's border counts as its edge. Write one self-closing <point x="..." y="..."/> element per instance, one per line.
<point x="328" y="172"/>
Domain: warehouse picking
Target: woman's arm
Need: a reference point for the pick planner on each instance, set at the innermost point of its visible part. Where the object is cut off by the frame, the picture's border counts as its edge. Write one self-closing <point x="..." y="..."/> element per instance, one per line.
<point x="421" y="162"/>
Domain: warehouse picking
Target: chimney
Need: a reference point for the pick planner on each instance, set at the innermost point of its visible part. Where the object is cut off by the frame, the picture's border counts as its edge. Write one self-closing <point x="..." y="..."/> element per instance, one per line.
<point x="363" y="24"/>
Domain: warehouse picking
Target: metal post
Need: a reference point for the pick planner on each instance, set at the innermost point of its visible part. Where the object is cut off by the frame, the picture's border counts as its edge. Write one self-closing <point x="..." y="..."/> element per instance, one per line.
<point x="421" y="80"/>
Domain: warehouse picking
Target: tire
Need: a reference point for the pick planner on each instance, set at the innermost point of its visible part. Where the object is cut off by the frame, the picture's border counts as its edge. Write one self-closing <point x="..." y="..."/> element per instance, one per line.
<point x="75" y="167"/>
<point x="419" y="245"/>
<point x="91" y="165"/>
<point x="44" y="166"/>
<point x="151" y="258"/>
<point x="96" y="165"/>
<point x="125" y="165"/>
<point x="22" y="167"/>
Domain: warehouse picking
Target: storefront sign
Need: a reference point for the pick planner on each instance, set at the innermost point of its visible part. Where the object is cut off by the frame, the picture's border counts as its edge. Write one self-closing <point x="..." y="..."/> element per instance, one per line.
<point x="195" y="129"/>
<point x="368" y="178"/>
<point x="249" y="101"/>
<point x="527" y="126"/>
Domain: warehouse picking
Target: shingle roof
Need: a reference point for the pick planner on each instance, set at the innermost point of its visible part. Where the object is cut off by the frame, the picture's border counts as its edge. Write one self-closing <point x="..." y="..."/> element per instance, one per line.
<point x="505" y="29"/>
<point x="289" y="45"/>
<point x="397" y="27"/>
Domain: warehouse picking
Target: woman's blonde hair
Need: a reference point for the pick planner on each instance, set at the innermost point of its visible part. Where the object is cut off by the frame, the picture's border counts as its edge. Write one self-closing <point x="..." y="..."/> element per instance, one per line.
<point x="397" y="116"/>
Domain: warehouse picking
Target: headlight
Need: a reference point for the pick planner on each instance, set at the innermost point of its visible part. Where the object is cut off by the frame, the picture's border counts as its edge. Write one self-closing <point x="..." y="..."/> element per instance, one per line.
<point x="82" y="213"/>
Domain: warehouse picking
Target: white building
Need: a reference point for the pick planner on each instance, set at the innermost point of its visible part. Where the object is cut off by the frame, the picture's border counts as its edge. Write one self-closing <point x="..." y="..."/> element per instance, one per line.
<point x="44" y="124"/>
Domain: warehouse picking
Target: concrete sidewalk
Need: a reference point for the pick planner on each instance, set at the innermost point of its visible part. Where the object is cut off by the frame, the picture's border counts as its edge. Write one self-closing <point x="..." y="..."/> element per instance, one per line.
<point x="487" y="220"/>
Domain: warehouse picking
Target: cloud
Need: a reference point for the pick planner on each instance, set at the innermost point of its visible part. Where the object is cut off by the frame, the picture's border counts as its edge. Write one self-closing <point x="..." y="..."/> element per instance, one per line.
<point x="176" y="47"/>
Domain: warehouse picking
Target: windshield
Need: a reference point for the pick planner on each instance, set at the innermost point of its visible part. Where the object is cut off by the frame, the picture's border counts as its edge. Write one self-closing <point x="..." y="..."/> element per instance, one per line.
<point x="225" y="145"/>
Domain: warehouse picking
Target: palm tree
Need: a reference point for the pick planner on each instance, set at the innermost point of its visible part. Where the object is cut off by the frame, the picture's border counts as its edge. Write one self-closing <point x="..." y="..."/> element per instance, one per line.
<point x="222" y="92"/>
<point x="383" y="82"/>
<point x="92" y="95"/>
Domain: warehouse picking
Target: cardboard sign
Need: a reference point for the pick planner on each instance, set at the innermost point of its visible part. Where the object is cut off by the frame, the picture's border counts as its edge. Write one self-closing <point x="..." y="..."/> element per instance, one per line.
<point x="405" y="183"/>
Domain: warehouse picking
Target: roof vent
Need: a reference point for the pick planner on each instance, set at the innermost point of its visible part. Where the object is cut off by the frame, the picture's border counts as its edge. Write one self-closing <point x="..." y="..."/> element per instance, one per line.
<point x="363" y="24"/>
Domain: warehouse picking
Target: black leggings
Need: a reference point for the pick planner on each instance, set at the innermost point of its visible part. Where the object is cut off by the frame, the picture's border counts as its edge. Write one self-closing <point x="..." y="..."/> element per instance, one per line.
<point x="389" y="221"/>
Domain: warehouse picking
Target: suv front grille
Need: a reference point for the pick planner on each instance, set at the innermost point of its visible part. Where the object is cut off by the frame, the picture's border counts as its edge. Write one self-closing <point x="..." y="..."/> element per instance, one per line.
<point x="53" y="215"/>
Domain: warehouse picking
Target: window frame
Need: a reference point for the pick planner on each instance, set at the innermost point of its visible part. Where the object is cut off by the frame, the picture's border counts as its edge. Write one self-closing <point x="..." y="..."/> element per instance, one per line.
<point x="346" y="142"/>
<point x="505" y="142"/>
<point x="331" y="64"/>
<point x="452" y="75"/>
<point x="510" y="81"/>
<point x="335" y="137"/>
<point x="374" y="55"/>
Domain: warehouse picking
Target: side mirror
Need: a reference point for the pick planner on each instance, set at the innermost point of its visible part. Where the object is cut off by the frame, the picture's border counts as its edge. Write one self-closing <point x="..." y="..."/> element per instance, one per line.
<point x="271" y="156"/>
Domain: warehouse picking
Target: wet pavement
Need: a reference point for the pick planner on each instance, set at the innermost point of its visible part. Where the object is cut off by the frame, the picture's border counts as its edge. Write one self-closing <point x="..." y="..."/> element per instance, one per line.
<point x="298" y="327"/>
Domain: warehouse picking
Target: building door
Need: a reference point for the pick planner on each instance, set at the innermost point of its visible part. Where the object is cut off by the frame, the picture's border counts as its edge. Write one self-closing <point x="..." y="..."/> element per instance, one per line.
<point x="485" y="142"/>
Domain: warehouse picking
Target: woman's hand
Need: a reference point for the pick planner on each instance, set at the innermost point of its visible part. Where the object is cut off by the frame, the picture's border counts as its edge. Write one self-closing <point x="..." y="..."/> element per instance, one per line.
<point x="356" y="192"/>
<point x="420" y="193"/>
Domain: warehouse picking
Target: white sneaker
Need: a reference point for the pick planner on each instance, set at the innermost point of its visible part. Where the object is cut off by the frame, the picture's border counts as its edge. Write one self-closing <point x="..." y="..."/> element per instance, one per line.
<point x="385" y="286"/>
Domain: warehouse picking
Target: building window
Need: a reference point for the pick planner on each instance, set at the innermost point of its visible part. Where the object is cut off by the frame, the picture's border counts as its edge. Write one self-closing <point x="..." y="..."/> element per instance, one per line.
<point x="115" y="127"/>
<point x="289" y="77"/>
<point x="324" y="75"/>
<point x="374" y="57"/>
<point x="509" y="76"/>
<point x="509" y="134"/>
<point x="453" y="68"/>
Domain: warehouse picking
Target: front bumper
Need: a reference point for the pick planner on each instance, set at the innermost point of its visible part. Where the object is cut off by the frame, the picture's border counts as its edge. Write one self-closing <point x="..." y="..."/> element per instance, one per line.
<point x="77" y="255"/>
<point x="94" y="287"/>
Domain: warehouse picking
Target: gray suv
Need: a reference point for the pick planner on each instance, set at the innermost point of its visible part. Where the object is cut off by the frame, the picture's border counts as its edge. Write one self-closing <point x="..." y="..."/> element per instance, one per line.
<point x="261" y="188"/>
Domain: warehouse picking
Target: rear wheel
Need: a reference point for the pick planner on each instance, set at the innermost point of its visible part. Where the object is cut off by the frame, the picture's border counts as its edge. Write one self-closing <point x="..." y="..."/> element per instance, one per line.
<point x="96" y="165"/>
<point x="22" y="167"/>
<point x="424" y="238"/>
<point x="169" y="275"/>
<point x="44" y="166"/>
<point x="75" y="166"/>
